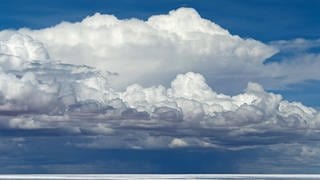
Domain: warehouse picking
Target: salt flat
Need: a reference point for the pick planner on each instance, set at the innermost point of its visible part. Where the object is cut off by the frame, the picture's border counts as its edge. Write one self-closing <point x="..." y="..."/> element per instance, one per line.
<point x="158" y="176"/>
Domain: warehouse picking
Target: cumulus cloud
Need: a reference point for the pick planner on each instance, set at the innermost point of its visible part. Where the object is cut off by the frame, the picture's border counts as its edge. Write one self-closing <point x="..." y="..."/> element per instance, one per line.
<point x="67" y="99"/>
<point x="155" y="50"/>
<point x="64" y="80"/>
<point x="17" y="49"/>
<point x="176" y="142"/>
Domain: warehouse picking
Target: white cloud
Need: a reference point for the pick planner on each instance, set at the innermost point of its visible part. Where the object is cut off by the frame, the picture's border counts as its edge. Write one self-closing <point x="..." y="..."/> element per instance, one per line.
<point x="17" y="49"/>
<point x="152" y="51"/>
<point x="296" y="45"/>
<point x="61" y="94"/>
<point x="23" y="123"/>
<point x="298" y="60"/>
<point x="79" y="101"/>
<point x="176" y="143"/>
<point x="25" y="93"/>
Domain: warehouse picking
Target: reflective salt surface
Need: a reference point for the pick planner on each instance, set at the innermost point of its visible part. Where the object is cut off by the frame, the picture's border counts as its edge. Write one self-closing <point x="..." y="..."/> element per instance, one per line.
<point x="159" y="176"/>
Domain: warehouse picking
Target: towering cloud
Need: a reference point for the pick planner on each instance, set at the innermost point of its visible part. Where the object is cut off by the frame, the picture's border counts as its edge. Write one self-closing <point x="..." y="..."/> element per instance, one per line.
<point x="17" y="49"/>
<point x="64" y="80"/>
<point x="155" y="50"/>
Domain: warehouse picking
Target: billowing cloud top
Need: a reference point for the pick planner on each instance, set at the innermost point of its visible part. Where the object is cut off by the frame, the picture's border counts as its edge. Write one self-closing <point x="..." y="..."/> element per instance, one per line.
<point x="179" y="42"/>
<point x="83" y="79"/>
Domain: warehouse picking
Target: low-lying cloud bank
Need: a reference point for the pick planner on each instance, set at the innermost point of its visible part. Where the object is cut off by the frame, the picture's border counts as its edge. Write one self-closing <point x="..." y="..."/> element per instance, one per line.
<point x="65" y="81"/>
<point x="48" y="97"/>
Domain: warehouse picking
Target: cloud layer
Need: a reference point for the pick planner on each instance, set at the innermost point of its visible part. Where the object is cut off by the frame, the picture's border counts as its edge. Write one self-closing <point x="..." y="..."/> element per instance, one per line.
<point x="39" y="93"/>
<point x="84" y="80"/>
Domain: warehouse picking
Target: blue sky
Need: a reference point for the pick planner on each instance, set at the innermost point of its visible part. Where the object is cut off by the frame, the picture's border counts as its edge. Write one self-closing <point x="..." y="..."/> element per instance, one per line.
<point x="58" y="119"/>
<point x="263" y="20"/>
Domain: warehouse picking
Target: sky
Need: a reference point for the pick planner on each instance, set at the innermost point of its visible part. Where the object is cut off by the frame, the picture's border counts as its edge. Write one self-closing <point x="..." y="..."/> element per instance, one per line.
<point x="166" y="86"/>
